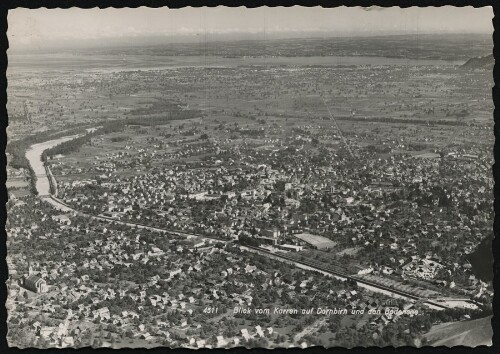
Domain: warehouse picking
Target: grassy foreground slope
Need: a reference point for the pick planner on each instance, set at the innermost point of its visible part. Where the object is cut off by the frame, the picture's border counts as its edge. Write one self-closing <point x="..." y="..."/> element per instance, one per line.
<point x="467" y="333"/>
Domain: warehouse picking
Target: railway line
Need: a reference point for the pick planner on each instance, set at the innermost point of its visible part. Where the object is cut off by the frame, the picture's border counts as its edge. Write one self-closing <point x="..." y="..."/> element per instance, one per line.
<point x="65" y="206"/>
<point x="337" y="272"/>
<point x="314" y="265"/>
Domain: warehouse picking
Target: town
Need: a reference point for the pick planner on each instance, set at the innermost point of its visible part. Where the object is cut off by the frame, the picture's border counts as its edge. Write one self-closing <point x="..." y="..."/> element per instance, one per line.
<point x="257" y="205"/>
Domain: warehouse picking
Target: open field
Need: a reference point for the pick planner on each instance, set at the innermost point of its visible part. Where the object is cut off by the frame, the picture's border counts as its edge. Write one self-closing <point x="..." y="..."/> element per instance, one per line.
<point x="316" y="241"/>
<point x="114" y="64"/>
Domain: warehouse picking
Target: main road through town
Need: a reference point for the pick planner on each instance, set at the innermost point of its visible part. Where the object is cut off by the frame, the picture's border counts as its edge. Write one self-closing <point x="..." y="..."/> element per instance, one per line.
<point x="46" y="187"/>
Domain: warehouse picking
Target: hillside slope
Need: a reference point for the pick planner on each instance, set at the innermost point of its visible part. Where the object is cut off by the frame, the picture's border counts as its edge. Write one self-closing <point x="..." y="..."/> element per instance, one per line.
<point x="467" y="333"/>
<point x="485" y="62"/>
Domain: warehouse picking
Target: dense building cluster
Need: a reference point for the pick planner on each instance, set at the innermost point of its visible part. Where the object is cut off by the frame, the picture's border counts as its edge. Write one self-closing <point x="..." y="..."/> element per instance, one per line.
<point x="156" y="287"/>
<point x="394" y="210"/>
<point x="250" y="201"/>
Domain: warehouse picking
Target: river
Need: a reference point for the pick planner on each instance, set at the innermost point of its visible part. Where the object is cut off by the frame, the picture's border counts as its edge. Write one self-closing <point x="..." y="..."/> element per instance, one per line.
<point x="34" y="156"/>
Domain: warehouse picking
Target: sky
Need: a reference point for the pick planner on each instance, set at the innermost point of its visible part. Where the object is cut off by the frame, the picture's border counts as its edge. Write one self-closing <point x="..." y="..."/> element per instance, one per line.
<point x="39" y="28"/>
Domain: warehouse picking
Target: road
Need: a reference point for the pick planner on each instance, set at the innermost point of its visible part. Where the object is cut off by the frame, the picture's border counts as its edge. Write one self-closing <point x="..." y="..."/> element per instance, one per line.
<point x="46" y="180"/>
<point x="312" y="328"/>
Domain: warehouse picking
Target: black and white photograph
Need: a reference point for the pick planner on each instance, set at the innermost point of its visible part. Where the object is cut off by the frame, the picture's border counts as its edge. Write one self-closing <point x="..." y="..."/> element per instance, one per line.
<point x="270" y="177"/>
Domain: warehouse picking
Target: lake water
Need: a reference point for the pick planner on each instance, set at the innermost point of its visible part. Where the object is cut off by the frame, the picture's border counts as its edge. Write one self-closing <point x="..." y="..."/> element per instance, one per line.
<point x="116" y="63"/>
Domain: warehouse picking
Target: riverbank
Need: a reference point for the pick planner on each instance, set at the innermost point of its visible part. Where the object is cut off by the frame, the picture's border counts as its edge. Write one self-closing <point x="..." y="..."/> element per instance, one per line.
<point x="34" y="157"/>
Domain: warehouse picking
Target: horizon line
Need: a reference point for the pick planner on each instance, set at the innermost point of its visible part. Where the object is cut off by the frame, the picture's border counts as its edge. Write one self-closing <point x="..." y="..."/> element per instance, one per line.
<point x="135" y="40"/>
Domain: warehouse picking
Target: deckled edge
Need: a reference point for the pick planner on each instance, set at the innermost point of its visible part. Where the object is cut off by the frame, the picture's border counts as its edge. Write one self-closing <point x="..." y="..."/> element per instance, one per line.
<point x="51" y="4"/>
<point x="3" y="176"/>
<point x="495" y="321"/>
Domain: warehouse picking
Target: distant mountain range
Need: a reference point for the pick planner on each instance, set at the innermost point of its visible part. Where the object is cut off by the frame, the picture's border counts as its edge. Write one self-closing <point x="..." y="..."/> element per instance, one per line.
<point x="485" y="62"/>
